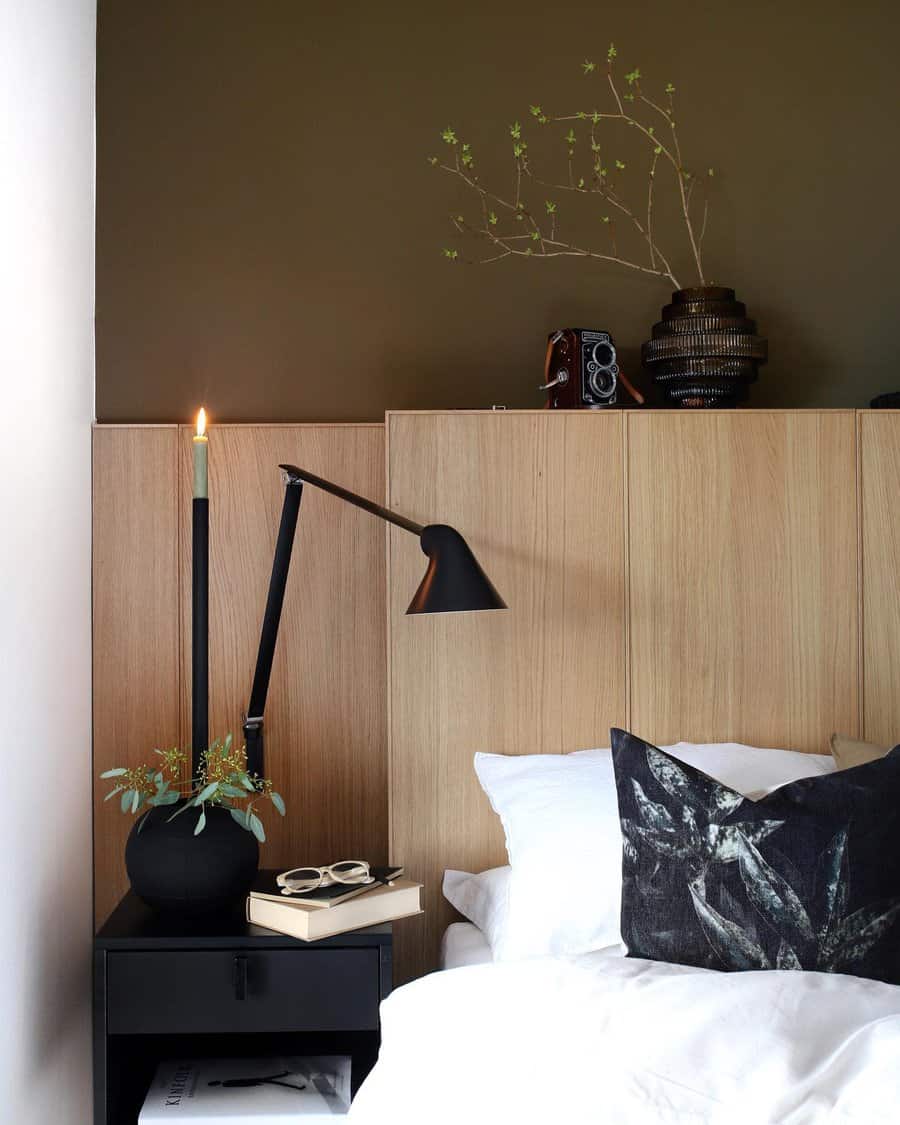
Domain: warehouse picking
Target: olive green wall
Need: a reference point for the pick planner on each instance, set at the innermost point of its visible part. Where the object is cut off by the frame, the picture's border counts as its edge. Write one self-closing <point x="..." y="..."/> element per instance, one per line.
<point x="269" y="230"/>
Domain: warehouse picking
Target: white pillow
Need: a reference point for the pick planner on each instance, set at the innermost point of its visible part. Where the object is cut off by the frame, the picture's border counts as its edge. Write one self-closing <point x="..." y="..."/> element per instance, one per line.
<point x="482" y="898"/>
<point x="561" y="819"/>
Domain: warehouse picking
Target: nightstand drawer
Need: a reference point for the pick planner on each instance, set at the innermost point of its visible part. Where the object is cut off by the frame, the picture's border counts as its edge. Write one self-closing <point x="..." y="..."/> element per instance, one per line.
<point x="243" y="990"/>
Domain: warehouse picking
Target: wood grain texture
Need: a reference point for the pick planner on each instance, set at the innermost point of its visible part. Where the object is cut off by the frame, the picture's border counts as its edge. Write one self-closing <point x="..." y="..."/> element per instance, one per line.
<point x="743" y="577"/>
<point x="325" y="719"/>
<point x="539" y="498"/>
<point x="135" y="623"/>
<point x="879" y="433"/>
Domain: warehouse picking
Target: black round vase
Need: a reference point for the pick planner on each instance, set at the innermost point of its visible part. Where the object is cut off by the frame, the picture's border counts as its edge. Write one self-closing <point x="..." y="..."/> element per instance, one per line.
<point x="171" y="869"/>
<point x="705" y="350"/>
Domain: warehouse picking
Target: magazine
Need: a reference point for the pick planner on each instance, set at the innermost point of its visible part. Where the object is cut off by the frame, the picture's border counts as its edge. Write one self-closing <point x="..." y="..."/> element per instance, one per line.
<point x="249" y="1091"/>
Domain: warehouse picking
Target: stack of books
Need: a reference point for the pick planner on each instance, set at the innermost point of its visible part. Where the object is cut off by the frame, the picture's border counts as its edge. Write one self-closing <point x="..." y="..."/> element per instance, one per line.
<point x="335" y="909"/>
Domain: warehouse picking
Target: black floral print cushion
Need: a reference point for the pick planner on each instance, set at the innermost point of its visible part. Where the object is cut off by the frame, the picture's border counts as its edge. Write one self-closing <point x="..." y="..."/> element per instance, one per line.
<point x="807" y="877"/>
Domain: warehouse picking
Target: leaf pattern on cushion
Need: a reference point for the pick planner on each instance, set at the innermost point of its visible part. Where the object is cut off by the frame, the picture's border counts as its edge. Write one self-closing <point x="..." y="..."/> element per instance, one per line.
<point x="667" y="842"/>
<point x="629" y="851"/>
<point x="856" y="935"/>
<point x="704" y="883"/>
<point x="728" y="941"/>
<point x="787" y="958"/>
<point x="836" y="882"/>
<point x="772" y="896"/>
<point x="653" y="815"/>
<point x="724" y="802"/>
<point x="675" y="781"/>
<point x="726" y="841"/>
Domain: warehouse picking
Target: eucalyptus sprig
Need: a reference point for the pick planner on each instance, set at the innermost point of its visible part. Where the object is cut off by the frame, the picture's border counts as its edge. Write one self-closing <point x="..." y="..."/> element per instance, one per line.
<point x="523" y="222"/>
<point x="222" y="780"/>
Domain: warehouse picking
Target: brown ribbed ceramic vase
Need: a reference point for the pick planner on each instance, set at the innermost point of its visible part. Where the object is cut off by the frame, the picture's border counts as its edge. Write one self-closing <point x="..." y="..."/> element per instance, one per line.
<point x="705" y="351"/>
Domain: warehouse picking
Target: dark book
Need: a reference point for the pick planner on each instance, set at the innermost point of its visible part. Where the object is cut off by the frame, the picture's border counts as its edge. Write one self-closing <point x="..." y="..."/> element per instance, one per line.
<point x="265" y="887"/>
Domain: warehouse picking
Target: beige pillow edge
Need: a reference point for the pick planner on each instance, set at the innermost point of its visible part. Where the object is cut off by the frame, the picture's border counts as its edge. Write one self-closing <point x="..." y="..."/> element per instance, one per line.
<point x="849" y="752"/>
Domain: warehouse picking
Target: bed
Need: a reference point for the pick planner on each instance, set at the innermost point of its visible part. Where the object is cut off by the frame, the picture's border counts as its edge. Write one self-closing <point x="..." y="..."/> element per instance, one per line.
<point x="567" y="1028"/>
<point x="603" y="1038"/>
<point x="724" y="576"/>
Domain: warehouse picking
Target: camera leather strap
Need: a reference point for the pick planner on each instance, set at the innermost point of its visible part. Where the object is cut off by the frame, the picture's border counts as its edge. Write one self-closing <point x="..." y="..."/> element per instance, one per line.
<point x="633" y="391"/>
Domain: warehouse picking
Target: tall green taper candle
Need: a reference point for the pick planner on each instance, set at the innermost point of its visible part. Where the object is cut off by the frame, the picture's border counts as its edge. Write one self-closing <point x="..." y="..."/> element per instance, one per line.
<point x="201" y="464"/>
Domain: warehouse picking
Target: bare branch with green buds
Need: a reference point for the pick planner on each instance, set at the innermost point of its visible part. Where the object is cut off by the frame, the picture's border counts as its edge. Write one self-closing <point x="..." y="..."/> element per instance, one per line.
<point x="508" y="226"/>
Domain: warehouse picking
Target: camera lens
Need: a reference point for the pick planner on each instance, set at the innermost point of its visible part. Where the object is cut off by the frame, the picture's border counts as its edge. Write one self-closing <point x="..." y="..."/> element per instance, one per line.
<point x="602" y="383"/>
<point x="604" y="356"/>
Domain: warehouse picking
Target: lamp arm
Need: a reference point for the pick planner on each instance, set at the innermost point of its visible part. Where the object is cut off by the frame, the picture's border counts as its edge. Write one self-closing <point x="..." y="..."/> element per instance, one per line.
<point x="295" y="474"/>
<point x="253" y="723"/>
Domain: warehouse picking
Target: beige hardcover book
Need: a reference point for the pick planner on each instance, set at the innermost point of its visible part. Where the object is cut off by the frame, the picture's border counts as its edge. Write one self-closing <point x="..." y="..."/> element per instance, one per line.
<point x="310" y="923"/>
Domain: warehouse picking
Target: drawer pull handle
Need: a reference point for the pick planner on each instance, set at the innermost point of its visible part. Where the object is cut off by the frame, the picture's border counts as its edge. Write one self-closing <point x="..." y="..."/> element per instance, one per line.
<point x="240" y="977"/>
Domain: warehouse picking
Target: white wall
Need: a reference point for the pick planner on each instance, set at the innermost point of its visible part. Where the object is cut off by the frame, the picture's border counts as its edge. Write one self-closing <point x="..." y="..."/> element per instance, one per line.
<point x="46" y="407"/>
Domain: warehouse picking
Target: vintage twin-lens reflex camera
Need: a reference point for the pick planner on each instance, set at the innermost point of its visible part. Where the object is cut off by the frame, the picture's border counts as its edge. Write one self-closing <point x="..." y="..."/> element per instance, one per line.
<point x="581" y="370"/>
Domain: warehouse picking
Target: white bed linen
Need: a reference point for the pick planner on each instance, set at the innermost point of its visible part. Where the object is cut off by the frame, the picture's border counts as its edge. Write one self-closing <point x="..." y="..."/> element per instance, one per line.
<point x="464" y="944"/>
<point x="605" y="1039"/>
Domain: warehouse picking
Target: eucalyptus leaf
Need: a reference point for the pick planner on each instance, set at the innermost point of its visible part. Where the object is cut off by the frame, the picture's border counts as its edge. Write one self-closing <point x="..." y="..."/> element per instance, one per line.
<point x="135" y="801"/>
<point x="247" y="783"/>
<point x="178" y="812"/>
<point x="229" y="738"/>
<point x="126" y="799"/>
<point x="113" y="792"/>
<point x="201" y="822"/>
<point x="118" y="772"/>
<point x="278" y="802"/>
<point x="240" y="816"/>
<point x="256" y="828"/>
<point x="160" y="799"/>
<point x="206" y="793"/>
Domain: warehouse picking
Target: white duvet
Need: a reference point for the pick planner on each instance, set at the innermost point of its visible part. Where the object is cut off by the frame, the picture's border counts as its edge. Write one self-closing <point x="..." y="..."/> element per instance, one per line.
<point x="601" y="1038"/>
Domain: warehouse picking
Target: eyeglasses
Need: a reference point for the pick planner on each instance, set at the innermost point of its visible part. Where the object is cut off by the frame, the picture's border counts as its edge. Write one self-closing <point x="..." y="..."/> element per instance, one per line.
<point x="352" y="872"/>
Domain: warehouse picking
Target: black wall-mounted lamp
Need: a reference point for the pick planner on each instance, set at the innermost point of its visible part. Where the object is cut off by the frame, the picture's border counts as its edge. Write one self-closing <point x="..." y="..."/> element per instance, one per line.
<point x="453" y="582"/>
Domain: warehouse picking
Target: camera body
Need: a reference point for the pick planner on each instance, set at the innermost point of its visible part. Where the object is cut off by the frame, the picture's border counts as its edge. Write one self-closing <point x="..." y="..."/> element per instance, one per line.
<point x="581" y="369"/>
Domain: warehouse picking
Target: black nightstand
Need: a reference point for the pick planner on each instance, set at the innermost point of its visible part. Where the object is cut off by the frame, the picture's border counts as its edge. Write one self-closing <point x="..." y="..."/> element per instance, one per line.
<point x="165" y="988"/>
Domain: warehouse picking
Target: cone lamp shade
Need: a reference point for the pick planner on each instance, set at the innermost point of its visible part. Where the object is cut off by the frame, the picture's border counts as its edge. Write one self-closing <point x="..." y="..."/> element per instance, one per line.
<point x="454" y="581"/>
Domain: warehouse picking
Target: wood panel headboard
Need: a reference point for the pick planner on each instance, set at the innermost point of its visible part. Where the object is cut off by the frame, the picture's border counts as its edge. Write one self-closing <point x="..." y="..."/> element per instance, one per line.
<point x="326" y="726"/>
<point x="702" y="576"/>
<point x="707" y="576"/>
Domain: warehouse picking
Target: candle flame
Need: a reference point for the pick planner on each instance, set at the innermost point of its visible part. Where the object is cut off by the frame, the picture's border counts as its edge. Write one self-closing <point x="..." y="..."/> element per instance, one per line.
<point x="201" y="422"/>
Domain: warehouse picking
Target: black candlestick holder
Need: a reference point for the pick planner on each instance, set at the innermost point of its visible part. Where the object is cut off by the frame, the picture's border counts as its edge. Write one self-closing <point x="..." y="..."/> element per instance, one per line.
<point x="200" y="634"/>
